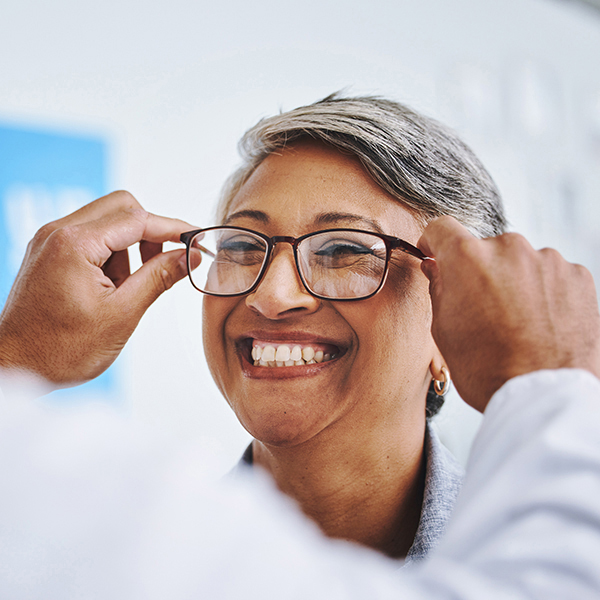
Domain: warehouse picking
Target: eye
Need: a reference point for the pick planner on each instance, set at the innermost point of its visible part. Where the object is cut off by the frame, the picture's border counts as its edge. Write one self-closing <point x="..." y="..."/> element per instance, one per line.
<point x="342" y="248"/>
<point x="239" y="244"/>
<point x="345" y="254"/>
<point x="241" y="249"/>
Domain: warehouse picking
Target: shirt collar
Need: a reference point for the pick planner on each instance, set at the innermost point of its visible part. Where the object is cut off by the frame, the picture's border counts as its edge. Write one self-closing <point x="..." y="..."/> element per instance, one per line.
<point x="443" y="480"/>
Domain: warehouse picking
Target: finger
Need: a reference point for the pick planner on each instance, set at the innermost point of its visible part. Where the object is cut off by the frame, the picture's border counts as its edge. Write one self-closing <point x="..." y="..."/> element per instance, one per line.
<point x="153" y="278"/>
<point x="432" y="272"/>
<point x="111" y="203"/>
<point x="149" y="250"/>
<point x="430" y="269"/>
<point x="195" y="258"/>
<point x="116" y="268"/>
<point x="156" y="229"/>
<point x="118" y="231"/>
<point x="440" y="233"/>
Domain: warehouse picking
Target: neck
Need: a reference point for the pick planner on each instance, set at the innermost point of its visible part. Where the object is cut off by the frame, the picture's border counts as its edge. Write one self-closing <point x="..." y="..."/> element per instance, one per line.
<point x="366" y="491"/>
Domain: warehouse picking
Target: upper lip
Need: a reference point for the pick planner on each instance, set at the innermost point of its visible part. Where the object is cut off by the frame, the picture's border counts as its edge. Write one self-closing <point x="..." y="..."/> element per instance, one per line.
<point x="282" y="337"/>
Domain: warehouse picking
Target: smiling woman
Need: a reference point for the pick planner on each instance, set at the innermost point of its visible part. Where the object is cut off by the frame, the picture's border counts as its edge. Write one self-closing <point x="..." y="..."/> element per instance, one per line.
<point x="317" y="315"/>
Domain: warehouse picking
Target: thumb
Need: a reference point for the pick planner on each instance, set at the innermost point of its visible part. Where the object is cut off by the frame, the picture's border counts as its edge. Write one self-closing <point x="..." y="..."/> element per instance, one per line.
<point x="432" y="272"/>
<point x="441" y="235"/>
<point x="153" y="278"/>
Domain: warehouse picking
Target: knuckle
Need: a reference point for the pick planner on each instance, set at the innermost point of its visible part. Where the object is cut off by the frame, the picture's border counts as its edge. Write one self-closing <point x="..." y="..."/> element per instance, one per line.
<point x="162" y="280"/>
<point x="581" y="270"/>
<point x="63" y="235"/>
<point x="515" y="247"/>
<point x="554" y="260"/>
<point x="551" y="254"/>
<point x="513" y="239"/>
<point x="43" y="233"/>
<point x="583" y="273"/>
<point x="126" y="200"/>
<point x="139" y="214"/>
<point x="62" y="239"/>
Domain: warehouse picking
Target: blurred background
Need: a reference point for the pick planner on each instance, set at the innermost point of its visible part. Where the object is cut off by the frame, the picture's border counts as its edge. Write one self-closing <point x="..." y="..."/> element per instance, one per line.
<point x="152" y="97"/>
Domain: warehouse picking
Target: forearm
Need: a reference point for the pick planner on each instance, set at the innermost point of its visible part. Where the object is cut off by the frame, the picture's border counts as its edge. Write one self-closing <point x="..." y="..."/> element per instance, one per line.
<point x="528" y="519"/>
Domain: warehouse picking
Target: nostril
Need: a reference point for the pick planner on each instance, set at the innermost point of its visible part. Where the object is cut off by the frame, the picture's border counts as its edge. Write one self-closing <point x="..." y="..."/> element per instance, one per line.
<point x="281" y="292"/>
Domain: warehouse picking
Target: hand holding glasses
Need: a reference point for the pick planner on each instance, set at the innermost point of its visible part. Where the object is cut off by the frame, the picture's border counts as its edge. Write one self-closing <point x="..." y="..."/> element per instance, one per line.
<point x="334" y="264"/>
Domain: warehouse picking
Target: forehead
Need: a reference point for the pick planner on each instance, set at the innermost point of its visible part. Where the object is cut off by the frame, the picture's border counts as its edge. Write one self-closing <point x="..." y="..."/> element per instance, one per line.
<point x="311" y="186"/>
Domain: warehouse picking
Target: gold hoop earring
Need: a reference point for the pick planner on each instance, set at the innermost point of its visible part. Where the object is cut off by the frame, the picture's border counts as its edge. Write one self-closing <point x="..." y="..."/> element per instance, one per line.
<point x="441" y="387"/>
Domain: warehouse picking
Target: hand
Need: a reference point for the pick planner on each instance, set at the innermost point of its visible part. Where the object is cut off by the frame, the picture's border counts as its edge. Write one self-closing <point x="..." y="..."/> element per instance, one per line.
<point x="502" y="309"/>
<point x="74" y="303"/>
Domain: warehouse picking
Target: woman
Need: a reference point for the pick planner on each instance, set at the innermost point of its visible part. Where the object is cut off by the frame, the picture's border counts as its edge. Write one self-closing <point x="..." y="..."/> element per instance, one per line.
<point x="326" y="358"/>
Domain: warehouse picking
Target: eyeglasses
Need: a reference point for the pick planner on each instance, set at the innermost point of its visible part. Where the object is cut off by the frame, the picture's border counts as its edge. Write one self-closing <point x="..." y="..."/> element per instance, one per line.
<point x="334" y="264"/>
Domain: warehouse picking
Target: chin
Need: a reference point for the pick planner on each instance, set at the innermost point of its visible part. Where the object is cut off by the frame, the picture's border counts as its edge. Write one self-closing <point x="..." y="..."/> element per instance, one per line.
<point x="284" y="429"/>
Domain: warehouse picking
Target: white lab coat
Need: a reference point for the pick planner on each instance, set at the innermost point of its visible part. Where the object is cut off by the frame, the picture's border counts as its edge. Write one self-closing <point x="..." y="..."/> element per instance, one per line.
<point x="92" y="508"/>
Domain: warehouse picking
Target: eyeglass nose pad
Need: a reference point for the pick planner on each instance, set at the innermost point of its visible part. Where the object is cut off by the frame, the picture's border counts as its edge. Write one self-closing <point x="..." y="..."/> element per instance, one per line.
<point x="271" y="256"/>
<point x="275" y="295"/>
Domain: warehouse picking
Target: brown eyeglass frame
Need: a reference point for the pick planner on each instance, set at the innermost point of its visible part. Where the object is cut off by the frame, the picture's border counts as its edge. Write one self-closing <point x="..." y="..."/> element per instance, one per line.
<point x="391" y="243"/>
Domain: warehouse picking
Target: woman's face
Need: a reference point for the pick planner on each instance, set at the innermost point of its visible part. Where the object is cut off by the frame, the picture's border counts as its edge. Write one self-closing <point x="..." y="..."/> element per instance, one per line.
<point x="382" y="346"/>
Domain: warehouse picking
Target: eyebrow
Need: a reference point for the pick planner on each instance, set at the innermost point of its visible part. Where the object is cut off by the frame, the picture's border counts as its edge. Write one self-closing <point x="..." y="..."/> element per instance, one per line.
<point x="331" y="218"/>
<point x="257" y="215"/>
<point x="321" y="220"/>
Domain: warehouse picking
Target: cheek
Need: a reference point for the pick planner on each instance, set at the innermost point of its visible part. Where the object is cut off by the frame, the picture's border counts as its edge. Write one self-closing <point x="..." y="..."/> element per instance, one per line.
<point x="214" y="316"/>
<point x="411" y="318"/>
<point x="209" y="319"/>
<point x="394" y="330"/>
<point x="407" y="297"/>
<point x="404" y="361"/>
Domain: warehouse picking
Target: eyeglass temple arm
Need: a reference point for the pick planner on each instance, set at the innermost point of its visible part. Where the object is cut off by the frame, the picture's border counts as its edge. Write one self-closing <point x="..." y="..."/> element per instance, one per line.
<point x="184" y="238"/>
<point x="410" y="249"/>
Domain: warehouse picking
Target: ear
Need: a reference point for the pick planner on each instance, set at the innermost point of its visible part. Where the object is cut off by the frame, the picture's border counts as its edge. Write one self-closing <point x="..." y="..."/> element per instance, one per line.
<point x="440" y="374"/>
<point x="435" y="367"/>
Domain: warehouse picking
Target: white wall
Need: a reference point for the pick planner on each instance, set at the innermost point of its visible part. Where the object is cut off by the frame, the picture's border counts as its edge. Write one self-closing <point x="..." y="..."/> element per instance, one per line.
<point x="175" y="83"/>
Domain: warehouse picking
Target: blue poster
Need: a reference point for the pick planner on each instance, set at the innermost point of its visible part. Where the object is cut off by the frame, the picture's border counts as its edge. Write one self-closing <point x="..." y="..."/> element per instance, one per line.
<point x="45" y="175"/>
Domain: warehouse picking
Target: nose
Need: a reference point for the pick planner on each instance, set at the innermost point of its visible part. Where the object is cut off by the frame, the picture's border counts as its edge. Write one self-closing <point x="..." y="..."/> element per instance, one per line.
<point x="281" y="293"/>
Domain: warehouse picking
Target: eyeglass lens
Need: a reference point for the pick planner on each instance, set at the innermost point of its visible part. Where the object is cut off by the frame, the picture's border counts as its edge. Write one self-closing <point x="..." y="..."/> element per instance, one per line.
<point x="333" y="264"/>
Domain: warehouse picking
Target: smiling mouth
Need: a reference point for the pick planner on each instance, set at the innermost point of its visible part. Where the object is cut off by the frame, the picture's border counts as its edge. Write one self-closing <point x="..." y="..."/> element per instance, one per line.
<point x="271" y="354"/>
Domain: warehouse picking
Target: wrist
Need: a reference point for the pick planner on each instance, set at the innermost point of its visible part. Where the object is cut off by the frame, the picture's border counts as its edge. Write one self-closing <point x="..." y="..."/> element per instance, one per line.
<point x="10" y="349"/>
<point x="18" y="377"/>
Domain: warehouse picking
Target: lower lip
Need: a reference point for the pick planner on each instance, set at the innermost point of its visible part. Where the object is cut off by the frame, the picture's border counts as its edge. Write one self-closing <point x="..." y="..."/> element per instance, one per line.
<point x="282" y="372"/>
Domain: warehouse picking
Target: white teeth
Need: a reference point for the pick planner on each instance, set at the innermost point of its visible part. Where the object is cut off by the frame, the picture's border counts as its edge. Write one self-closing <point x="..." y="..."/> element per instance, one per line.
<point x="283" y="353"/>
<point x="284" y="356"/>
<point x="268" y="354"/>
<point x="307" y="353"/>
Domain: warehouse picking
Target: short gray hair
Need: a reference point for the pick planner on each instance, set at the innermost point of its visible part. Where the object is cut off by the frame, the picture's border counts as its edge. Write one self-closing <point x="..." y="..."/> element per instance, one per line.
<point x="420" y="162"/>
<point x="414" y="158"/>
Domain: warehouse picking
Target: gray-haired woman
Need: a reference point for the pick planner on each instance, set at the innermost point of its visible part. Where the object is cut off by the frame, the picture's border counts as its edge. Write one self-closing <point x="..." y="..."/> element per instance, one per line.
<point x="317" y="318"/>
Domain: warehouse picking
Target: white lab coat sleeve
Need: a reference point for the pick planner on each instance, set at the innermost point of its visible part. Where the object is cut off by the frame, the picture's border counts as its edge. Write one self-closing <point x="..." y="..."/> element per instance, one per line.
<point x="90" y="509"/>
<point x="527" y="522"/>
